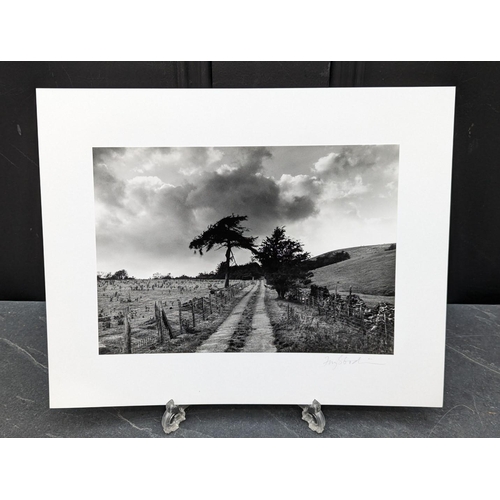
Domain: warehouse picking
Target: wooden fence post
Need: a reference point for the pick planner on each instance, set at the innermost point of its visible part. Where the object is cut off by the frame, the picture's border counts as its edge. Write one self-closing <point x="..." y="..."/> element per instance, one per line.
<point x="210" y="303"/>
<point x="180" y="316"/>
<point x="159" y="326"/>
<point x="202" y="309"/>
<point x="167" y="323"/>
<point x="128" y="333"/>
<point x="192" y="310"/>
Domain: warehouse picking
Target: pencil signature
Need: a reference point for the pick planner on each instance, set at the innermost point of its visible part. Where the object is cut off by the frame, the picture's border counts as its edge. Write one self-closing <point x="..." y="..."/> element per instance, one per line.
<point x="337" y="361"/>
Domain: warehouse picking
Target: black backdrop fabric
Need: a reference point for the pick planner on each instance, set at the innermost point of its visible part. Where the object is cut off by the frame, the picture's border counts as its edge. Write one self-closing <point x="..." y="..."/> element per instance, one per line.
<point x="474" y="266"/>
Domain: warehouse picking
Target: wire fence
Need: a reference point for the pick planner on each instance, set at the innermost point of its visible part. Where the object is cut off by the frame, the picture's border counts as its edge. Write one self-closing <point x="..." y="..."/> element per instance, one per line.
<point x="348" y="309"/>
<point x="170" y="318"/>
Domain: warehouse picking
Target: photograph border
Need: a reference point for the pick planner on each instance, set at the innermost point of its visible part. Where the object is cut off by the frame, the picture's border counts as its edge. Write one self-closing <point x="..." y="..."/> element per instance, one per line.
<point x="73" y="121"/>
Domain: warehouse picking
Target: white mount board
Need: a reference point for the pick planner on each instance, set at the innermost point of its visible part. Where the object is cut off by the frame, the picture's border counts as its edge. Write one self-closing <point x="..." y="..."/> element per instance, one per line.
<point x="73" y="121"/>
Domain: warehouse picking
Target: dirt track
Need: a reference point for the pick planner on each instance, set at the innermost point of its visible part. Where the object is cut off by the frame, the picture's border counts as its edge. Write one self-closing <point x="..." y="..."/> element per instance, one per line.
<point x="260" y="335"/>
<point x="261" y="338"/>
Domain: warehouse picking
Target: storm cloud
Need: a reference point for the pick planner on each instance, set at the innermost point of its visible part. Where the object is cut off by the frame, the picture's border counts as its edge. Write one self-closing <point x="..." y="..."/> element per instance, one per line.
<point x="243" y="188"/>
<point x="151" y="202"/>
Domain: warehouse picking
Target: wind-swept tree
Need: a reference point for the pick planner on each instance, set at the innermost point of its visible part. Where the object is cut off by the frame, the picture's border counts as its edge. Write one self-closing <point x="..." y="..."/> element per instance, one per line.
<point x="284" y="262"/>
<point x="227" y="233"/>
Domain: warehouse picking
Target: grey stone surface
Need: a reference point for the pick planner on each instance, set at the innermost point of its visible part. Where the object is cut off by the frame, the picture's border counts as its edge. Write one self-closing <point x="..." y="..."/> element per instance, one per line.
<point x="471" y="407"/>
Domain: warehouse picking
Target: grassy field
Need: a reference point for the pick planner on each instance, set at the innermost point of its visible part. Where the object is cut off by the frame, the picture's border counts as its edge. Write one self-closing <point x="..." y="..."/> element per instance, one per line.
<point x="139" y="296"/>
<point x="371" y="271"/>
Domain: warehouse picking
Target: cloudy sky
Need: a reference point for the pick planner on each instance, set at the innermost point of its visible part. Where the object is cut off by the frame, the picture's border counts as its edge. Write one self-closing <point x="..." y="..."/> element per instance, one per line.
<point x="151" y="202"/>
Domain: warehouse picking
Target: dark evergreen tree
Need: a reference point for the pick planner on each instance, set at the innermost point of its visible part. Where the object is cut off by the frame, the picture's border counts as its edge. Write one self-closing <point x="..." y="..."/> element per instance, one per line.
<point x="284" y="262"/>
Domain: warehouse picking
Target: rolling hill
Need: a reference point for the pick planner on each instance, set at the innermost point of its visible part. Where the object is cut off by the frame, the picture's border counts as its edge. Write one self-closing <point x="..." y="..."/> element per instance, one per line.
<point x="371" y="270"/>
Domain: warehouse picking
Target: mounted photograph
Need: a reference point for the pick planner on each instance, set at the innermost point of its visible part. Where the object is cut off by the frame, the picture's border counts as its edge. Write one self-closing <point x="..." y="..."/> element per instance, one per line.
<point x="246" y="249"/>
<point x="246" y="246"/>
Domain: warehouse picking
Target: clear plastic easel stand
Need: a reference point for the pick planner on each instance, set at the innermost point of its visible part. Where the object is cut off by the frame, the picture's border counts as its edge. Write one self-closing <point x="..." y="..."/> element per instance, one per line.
<point x="313" y="415"/>
<point x="172" y="417"/>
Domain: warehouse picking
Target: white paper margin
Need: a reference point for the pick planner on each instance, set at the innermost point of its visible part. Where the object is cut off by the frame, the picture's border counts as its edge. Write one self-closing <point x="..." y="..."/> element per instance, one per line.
<point x="73" y="121"/>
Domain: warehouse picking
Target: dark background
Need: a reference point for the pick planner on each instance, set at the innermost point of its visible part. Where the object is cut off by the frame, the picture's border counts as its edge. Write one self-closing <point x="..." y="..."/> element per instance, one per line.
<point x="474" y="269"/>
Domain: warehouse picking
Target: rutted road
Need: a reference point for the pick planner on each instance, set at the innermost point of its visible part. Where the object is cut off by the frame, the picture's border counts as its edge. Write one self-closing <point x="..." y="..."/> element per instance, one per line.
<point x="219" y="340"/>
<point x="260" y="338"/>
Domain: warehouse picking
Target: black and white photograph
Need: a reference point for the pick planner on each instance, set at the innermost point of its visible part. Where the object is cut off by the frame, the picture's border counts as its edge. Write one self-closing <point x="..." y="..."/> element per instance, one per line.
<point x="268" y="249"/>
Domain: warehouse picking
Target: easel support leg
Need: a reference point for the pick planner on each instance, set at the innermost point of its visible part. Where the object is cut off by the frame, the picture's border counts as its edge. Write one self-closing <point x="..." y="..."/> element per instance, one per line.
<point x="313" y="415"/>
<point x="172" y="417"/>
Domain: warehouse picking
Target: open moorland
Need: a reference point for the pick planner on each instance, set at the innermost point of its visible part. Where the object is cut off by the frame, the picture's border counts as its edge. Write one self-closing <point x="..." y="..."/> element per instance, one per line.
<point x="370" y="272"/>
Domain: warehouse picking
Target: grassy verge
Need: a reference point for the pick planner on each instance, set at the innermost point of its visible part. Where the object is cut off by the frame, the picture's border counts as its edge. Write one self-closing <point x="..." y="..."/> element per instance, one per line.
<point x="304" y="331"/>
